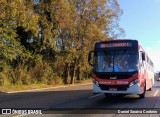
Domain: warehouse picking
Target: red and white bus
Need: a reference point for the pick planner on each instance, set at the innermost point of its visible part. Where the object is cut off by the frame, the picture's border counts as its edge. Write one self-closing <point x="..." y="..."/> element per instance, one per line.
<point x="121" y="67"/>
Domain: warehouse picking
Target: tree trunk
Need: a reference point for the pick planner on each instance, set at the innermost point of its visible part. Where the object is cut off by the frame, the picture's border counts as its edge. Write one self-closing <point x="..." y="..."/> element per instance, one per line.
<point x="79" y="74"/>
<point x="73" y="71"/>
<point x="66" y="73"/>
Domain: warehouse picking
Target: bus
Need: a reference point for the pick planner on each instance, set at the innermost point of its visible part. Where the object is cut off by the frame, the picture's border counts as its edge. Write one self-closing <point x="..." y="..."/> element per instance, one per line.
<point x="158" y="76"/>
<point x="121" y="67"/>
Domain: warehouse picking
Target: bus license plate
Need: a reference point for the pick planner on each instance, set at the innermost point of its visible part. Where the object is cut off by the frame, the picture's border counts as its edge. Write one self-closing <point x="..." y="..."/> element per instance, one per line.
<point x="112" y="89"/>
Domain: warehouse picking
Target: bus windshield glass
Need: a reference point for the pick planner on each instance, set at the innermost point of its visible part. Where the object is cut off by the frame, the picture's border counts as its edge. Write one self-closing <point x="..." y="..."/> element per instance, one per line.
<point x="116" y="61"/>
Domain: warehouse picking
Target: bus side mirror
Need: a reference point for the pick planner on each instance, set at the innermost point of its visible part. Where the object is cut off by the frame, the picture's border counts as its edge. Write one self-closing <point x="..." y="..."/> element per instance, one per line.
<point x="90" y="57"/>
<point x="143" y="56"/>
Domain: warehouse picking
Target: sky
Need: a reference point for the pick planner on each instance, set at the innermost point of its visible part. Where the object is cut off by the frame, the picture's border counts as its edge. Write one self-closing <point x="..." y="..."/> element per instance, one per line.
<point x="141" y="21"/>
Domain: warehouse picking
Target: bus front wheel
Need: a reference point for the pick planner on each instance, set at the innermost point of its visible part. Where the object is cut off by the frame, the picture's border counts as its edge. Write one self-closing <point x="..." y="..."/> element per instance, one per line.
<point x="143" y="94"/>
<point x="150" y="89"/>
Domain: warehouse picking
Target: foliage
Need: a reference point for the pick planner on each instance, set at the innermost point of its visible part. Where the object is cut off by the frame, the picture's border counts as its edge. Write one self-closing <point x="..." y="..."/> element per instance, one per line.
<point x="47" y="41"/>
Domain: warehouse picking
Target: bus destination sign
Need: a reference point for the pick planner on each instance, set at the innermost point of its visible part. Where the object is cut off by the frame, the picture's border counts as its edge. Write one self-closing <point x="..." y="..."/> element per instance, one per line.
<point x="122" y="44"/>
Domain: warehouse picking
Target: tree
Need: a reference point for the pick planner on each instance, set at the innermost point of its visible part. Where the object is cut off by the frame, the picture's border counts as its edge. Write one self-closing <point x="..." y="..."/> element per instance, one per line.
<point x="55" y="35"/>
<point x="95" y="22"/>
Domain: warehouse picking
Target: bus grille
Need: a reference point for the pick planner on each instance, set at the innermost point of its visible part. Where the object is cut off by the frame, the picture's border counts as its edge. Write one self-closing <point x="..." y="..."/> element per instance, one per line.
<point x="117" y="75"/>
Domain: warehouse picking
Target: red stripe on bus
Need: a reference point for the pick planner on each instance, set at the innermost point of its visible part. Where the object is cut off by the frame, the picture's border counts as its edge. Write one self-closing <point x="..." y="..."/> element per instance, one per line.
<point x="115" y="81"/>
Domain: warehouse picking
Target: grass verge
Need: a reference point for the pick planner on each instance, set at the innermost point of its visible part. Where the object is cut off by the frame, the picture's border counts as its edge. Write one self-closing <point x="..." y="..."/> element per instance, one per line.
<point x="11" y="88"/>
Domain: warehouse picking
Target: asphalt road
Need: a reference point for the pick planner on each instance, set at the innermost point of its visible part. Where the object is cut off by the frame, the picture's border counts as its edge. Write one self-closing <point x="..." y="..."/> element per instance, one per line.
<point x="79" y="100"/>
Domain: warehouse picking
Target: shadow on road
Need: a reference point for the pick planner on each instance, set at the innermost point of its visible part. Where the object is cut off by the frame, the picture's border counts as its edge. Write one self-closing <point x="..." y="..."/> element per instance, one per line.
<point x="73" y="99"/>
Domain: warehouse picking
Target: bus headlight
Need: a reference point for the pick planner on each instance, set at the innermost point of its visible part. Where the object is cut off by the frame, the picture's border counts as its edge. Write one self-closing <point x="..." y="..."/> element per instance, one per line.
<point x="133" y="82"/>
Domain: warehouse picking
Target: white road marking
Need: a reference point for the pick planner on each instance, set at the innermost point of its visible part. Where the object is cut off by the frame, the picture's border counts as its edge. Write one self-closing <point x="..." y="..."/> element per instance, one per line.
<point x="156" y="93"/>
<point x="96" y="95"/>
<point x="20" y="115"/>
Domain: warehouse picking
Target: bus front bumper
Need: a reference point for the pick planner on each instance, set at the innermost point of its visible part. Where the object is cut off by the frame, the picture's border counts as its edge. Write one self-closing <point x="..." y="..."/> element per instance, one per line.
<point x="135" y="89"/>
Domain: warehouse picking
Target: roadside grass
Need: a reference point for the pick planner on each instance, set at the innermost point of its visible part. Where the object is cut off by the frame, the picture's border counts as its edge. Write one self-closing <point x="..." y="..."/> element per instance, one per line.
<point x="11" y="88"/>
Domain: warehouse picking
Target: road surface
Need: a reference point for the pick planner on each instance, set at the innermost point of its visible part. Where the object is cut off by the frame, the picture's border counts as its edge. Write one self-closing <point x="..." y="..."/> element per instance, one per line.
<point x="79" y="100"/>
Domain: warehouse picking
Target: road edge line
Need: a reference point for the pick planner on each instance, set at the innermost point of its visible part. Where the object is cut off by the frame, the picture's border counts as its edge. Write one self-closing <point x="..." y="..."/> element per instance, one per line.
<point x="11" y="92"/>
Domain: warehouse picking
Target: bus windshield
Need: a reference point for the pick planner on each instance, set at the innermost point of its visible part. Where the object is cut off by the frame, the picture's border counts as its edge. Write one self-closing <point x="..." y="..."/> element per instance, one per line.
<point x="116" y="61"/>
